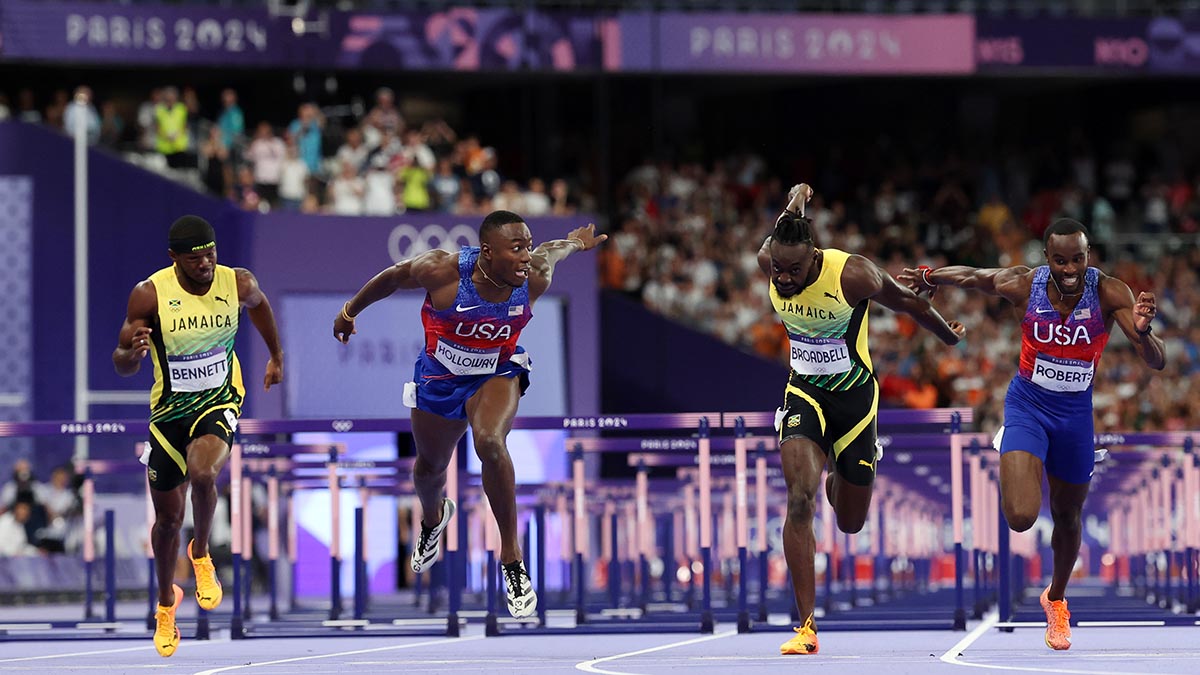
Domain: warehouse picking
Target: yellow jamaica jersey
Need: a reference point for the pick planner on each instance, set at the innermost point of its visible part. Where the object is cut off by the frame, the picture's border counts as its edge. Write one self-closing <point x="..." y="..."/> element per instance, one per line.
<point x="828" y="337"/>
<point x="195" y="368"/>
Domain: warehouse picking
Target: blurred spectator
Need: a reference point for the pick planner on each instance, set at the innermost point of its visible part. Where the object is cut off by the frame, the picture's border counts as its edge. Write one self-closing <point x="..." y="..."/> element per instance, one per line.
<point x="112" y="126"/>
<point x="171" y="128"/>
<point x="14" y="541"/>
<point x="417" y="152"/>
<point x="266" y="154"/>
<point x="306" y="129"/>
<point x="445" y="184"/>
<point x="5" y="113"/>
<point x="57" y="109"/>
<point x="81" y="112"/>
<point x="346" y="192"/>
<point x="379" y="187"/>
<point x="27" y="107"/>
<point x="510" y="198"/>
<point x="415" y="179"/>
<point x="245" y="194"/>
<point x="231" y="121"/>
<point x="293" y="178"/>
<point x="214" y="162"/>
<point x="537" y="202"/>
<point x="384" y="115"/>
<point x="22" y="482"/>
<point x="353" y="151"/>
<point x="561" y="202"/>
<point x="147" y="129"/>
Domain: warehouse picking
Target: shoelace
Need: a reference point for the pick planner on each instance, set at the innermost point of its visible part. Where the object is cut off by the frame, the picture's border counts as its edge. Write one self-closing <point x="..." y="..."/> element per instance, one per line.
<point x="164" y="628"/>
<point x="426" y="535"/>
<point x="206" y="566"/>
<point x="1062" y="616"/>
<point x="512" y="576"/>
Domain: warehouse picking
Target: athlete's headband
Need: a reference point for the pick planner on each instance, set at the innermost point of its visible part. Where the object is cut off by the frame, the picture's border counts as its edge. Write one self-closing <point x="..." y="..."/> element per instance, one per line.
<point x="190" y="234"/>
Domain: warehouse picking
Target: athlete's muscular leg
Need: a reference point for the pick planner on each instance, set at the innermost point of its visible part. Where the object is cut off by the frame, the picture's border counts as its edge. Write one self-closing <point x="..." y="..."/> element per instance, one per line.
<point x="435" y="438"/>
<point x="206" y="456"/>
<point x="850" y="502"/>
<point x="169" y="507"/>
<point x="802" y="461"/>
<point x="491" y="411"/>
<point x="1021" y="489"/>
<point x="1066" y="506"/>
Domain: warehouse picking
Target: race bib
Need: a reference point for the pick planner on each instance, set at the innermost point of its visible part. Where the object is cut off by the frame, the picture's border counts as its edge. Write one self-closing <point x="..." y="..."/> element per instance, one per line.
<point x="461" y="360"/>
<point x="819" y="356"/>
<point x="198" y="372"/>
<point x="1058" y="374"/>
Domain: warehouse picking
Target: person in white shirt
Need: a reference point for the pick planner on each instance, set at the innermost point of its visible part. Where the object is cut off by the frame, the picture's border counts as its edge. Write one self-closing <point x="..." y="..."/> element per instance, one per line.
<point x="267" y="153"/>
<point x="380" y="187"/>
<point x="293" y="178"/>
<point x="346" y="192"/>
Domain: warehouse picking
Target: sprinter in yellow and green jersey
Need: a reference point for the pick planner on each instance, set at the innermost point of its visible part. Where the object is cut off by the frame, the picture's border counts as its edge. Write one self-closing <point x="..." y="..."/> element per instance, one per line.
<point x="822" y="296"/>
<point x="185" y="318"/>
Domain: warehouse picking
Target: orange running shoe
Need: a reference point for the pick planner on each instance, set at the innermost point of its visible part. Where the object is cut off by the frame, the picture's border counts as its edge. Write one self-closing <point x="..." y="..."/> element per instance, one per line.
<point x="208" y="586"/>
<point x="804" y="642"/>
<point x="1058" y="622"/>
<point x="166" y="633"/>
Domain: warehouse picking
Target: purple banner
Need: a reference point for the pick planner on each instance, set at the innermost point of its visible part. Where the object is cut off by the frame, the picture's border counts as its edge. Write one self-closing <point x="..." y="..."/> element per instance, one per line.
<point x="470" y="40"/>
<point x="1162" y="45"/>
<point x="795" y="43"/>
<point x="164" y="35"/>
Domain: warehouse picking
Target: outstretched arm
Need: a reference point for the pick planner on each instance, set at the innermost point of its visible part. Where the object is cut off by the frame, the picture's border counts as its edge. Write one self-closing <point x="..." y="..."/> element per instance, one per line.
<point x="1134" y="319"/>
<point x="133" y="342"/>
<point x="550" y="253"/>
<point x="798" y="196"/>
<point x="863" y="279"/>
<point x="258" y="308"/>
<point x="428" y="270"/>
<point x="1002" y="281"/>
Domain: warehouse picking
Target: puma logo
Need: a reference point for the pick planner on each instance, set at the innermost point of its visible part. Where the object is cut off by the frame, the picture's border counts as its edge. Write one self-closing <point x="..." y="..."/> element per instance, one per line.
<point x="831" y="295"/>
<point x="220" y="299"/>
<point x="867" y="464"/>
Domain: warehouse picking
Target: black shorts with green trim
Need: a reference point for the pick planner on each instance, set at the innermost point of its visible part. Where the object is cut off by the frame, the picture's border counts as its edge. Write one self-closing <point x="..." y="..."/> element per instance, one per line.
<point x="166" y="465"/>
<point x="841" y="422"/>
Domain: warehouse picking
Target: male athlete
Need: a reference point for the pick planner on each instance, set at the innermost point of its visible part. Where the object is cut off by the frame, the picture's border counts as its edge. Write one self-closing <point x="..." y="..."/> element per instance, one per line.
<point x="823" y="296"/>
<point x="1067" y="310"/>
<point x="185" y="317"/>
<point x="472" y="372"/>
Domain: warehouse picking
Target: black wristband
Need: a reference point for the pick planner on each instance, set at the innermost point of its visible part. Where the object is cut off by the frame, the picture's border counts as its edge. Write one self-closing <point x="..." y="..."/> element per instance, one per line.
<point x="1149" y="329"/>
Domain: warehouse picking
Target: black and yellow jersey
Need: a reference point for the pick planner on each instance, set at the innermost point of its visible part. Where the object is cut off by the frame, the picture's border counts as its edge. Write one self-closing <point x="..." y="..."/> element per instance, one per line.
<point x="828" y="337"/>
<point x="195" y="368"/>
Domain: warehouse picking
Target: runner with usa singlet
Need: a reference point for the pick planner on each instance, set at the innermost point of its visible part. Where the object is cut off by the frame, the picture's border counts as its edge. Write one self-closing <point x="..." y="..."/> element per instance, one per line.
<point x="1067" y="311"/>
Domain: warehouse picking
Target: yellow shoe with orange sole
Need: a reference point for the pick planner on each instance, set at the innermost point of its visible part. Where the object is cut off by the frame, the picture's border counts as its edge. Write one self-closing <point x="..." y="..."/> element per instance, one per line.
<point x="208" y="586"/>
<point x="1058" y="622"/>
<point x="805" y="641"/>
<point x="166" y="633"/>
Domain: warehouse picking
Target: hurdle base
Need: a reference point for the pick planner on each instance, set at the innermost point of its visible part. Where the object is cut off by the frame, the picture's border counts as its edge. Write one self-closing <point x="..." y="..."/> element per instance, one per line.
<point x="491" y="626"/>
<point x="452" y="628"/>
<point x="960" y="619"/>
<point x="706" y="622"/>
<point x="202" y="626"/>
<point x="237" y="628"/>
<point x="743" y="622"/>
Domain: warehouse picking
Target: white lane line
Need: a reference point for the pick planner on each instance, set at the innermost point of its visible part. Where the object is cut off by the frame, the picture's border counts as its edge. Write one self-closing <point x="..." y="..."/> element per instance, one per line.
<point x="89" y="653"/>
<point x="590" y="666"/>
<point x="373" y="650"/>
<point x="989" y="622"/>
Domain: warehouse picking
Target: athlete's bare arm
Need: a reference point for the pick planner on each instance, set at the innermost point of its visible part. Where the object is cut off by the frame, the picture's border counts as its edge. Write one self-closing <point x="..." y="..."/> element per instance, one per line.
<point x="863" y="279"/>
<point x="133" y="342"/>
<point x="1117" y="303"/>
<point x="436" y="271"/>
<point x="1010" y="283"/>
<point x="550" y="253"/>
<point x="258" y="308"/>
<point x="798" y="196"/>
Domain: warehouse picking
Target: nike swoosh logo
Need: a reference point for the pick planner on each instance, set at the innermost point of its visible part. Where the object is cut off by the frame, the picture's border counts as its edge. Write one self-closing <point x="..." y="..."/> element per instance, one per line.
<point x="460" y="308"/>
<point x="1043" y="311"/>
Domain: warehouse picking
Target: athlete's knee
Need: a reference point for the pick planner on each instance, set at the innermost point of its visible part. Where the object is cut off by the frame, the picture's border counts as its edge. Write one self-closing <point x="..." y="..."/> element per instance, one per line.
<point x="490" y="447"/>
<point x="202" y="476"/>
<point x="851" y="523"/>
<point x="1019" y="518"/>
<point x="802" y="505"/>
<point x="1068" y="518"/>
<point x="167" y="523"/>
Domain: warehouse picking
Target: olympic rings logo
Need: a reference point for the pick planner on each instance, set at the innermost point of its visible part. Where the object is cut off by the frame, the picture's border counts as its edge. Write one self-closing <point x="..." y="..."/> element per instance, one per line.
<point x="343" y="425"/>
<point x="406" y="241"/>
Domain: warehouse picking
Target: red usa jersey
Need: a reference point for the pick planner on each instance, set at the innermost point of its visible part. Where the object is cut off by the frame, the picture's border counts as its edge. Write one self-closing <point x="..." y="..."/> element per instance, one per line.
<point x="1060" y="353"/>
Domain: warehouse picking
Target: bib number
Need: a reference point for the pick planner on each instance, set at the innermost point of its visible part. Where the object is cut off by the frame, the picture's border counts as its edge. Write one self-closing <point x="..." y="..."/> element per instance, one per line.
<point x="198" y="372"/>
<point x="1062" y="374"/>
<point x="819" y="356"/>
<point x="461" y="360"/>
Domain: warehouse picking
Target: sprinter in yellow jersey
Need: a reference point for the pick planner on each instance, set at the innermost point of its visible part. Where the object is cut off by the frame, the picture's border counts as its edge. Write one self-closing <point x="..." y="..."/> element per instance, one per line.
<point x="828" y="417"/>
<point x="185" y="317"/>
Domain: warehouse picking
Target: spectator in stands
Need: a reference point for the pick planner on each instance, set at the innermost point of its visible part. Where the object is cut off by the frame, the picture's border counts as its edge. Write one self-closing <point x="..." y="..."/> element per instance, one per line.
<point x="537" y="202"/>
<point x="14" y="541"/>
<point x="379" y="188"/>
<point x="384" y="115"/>
<point x="510" y="198"/>
<point x="415" y="192"/>
<point x="57" y="109"/>
<point x="417" y="151"/>
<point x="561" y="201"/>
<point x="27" y="107"/>
<point x="82" y="112"/>
<point x="306" y="129"/>
<point x="147" y="131"/>
<point x="354" y="151"/>
<point x="266" y="153"/>
<point x="171" y="128"/>
<point x="245" y="194"/>
<point x="293" y="178"/>
<point x="22" y="482"/>
<point x="214" y="162"/>
<point x="112" y="126"/>
<point x="60" y="496"/>
<point x="231" y="120"/>
<point x="446" y="185"/>
<point x="346" y="192"/>
<point x="5" y="112"/>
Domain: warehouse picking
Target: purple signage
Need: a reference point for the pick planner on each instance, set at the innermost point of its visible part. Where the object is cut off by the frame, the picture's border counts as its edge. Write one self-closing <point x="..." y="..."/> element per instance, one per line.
<point x="795" y="43"/>
<point x="1163" y="45"/>
<point x="101" y="32"/>
<point x="470" y="39"/>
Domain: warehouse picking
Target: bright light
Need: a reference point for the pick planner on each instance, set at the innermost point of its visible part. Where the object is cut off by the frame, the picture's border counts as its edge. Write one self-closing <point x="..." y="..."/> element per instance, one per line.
<point x="298" y="26"/>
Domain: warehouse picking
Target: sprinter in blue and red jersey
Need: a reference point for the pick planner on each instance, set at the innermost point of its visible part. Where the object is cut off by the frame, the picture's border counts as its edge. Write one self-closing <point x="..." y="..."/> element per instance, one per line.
<point x="472" y="372"/>
<point x="1067" y="311"/>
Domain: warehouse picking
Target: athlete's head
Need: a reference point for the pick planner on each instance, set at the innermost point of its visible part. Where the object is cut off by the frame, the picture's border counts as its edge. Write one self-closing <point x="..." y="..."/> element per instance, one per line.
<point x="193" y="247"/>
<point x="1066" y="248"/>
<point x="792" y="254"/>
<point x="505" y="247"/>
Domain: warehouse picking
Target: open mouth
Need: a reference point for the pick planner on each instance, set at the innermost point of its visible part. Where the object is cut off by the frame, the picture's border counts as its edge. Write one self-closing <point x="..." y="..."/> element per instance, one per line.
<point x="1071" y="281"/>
<point x="522" y="273"/>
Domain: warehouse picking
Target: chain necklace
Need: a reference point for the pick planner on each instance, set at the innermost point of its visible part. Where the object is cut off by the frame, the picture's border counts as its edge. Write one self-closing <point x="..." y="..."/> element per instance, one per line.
<point x="485" y="275"/>
<point x="1062" y="295"/>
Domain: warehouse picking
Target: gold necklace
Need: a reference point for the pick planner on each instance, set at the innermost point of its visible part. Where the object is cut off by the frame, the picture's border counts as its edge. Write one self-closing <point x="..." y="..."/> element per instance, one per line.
<point x="485" y="275"/>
